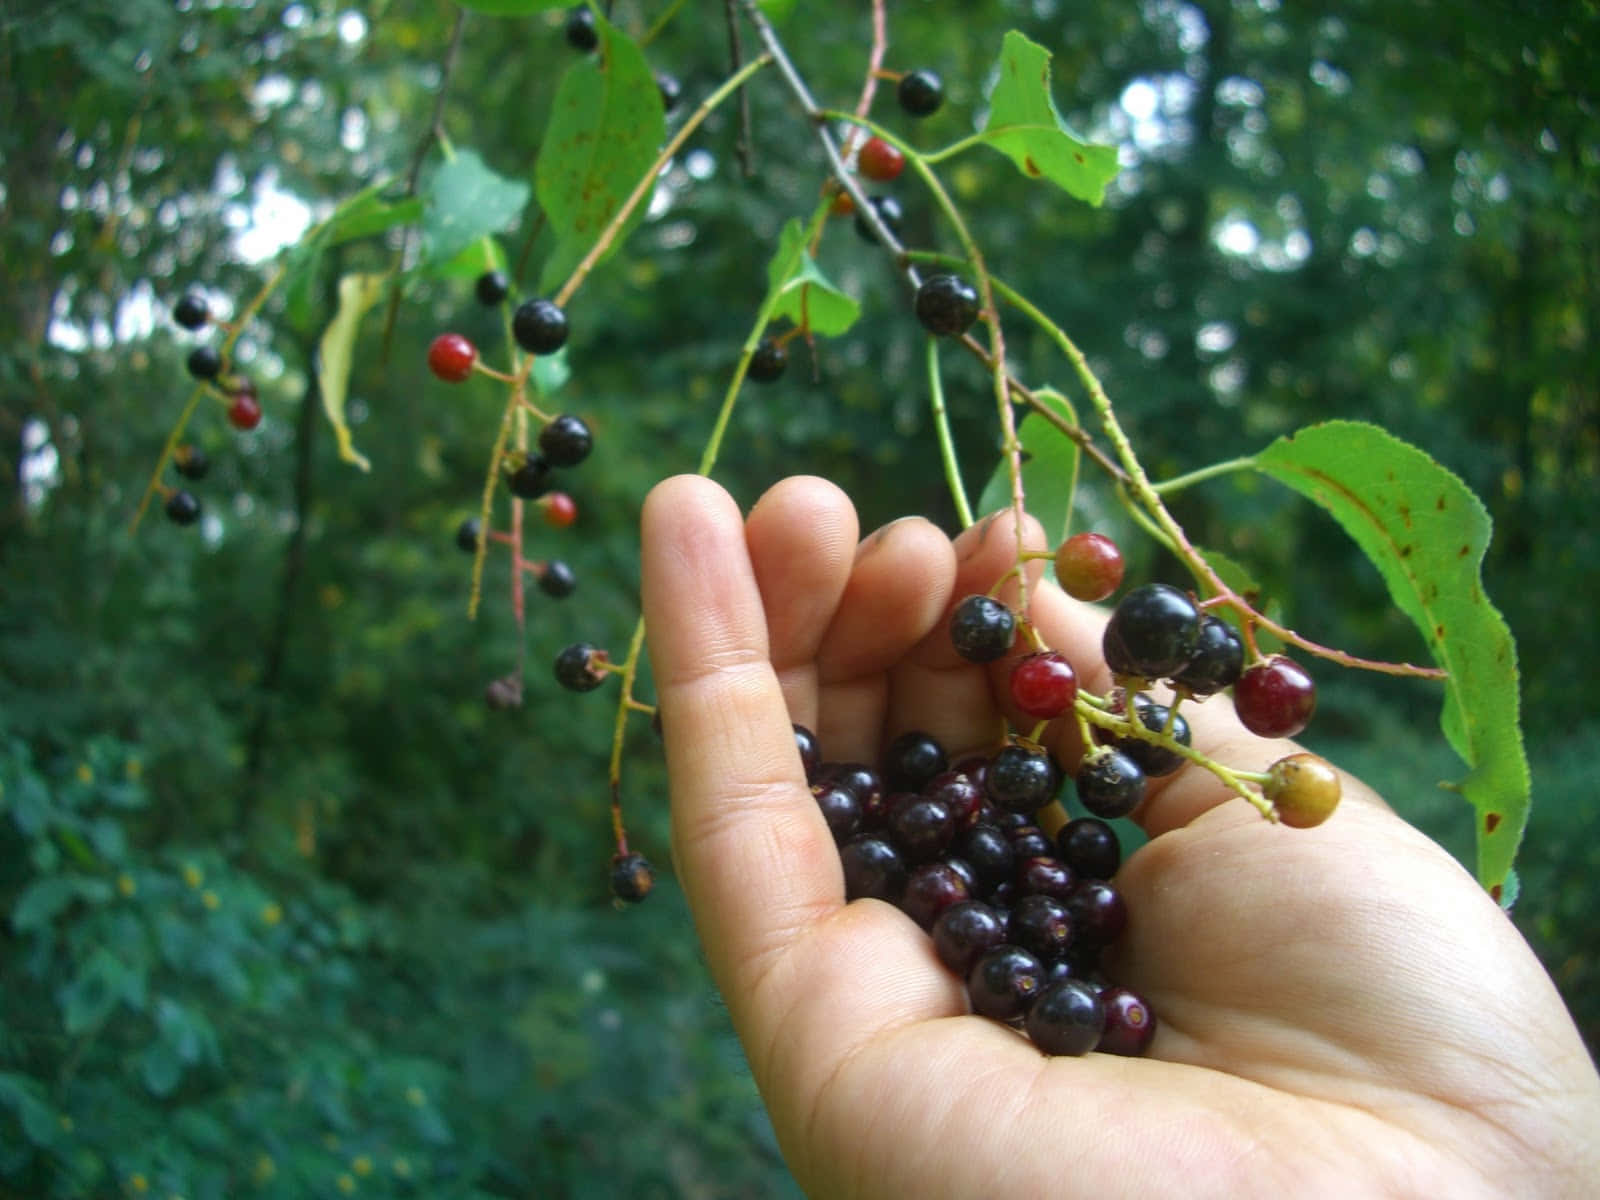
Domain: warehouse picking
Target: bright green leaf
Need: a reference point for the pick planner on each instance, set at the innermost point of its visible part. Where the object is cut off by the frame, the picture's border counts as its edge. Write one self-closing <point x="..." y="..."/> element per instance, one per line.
<point x="605" y="130"/>
<point x="466" y="201"/>
<point x="1049" y="469"/>
<point x="805" y="295"/>
<point x="1426" y="533"/>
<point x="1024" y="125"/>
<point x="367" y="213"/>
<point x="357" y="294"/>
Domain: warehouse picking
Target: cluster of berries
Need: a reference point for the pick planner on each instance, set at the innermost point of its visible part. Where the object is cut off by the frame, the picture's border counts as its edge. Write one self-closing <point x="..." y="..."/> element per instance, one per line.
<point x="539" y="327"/>
<point x="1020" y="916"/>
<point x="205" y="364"/>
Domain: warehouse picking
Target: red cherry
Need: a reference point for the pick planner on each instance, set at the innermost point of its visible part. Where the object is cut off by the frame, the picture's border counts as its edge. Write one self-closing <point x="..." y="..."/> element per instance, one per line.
<point x="1275" y="698"/>
<point x="881" y="161"/>
<point x="245" y="411"/>
<point x="1044" y="685"/>
<point x="451" y="356"/>
<point x="560" y="510"/>
<point x="1089" y="566"/>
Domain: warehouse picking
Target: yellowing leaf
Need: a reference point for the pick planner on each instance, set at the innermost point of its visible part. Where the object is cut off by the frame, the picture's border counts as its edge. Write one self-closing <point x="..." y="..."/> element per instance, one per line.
<point x="357" y="294"/>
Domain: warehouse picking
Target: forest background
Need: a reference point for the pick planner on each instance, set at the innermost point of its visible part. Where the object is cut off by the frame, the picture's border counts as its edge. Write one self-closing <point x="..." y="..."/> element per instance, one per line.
<point x="285" y="908"/>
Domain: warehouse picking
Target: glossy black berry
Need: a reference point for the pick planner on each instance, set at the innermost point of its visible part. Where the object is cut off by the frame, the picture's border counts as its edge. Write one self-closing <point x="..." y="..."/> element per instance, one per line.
<point x="922" y="828"/>
<point x="539" y="326"/>
<point x="1028" y="841"/>
<point x="631" y="877"/>
<point x="920" y="93"/>
<point x="582" y="34"/>
<point x="889" y="212"/>
<point x="491" y="288"/>
<point x="1090" y="847"/>
<point x="671" y="90"/>
<point x="531" y="480"/>
<point x="768" y="363"/>
<point x="1156" y="760"/>
<point x="191" y="311"/>
<point x="982" y="629"/>
<point x="911" y="760"/>
<point x="1004" y="982"/>
<point x="1045" y="875"/>
<point x="1067" y="1018"/>
<point x="840" y="809"/>
<point x="1041" y="926"/>
<point x="205" y="362"/>
<point x="872" y="869"/>
<point x="467" y="535"/>
<point x="565" y="441"/>
<point x="930" y="889"/>
<point x="1153" y="632"/>
<point x="947" y="305"/>
<point x="965" y="932"/>
<point x="1218" y="659"/>
<point x="810" y="751"/>
<point x="862" y="782"/>
<point x="1021" y="780"/>
<point x="183" y="508"/>
<point x="1109" y="783"/>
<point x="577" y="667"/>
<point x="1098" y="912"/>
<point x="191" y="462"/>
<point x="987" y="850"/>
<point x="557" y="579"/>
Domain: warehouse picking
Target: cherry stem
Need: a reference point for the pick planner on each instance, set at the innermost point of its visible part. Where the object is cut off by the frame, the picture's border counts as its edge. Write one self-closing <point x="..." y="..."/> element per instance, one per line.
<point x="941" y="427"/>
<point x="201" y="388"/>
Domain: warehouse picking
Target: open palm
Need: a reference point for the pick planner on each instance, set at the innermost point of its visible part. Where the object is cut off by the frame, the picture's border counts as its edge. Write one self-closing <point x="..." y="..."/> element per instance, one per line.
<point x="1342" y="1010"/>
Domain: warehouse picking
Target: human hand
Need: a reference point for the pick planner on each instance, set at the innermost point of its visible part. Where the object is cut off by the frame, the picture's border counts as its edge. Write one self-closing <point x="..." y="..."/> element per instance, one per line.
<point x="1342" y="1010"/>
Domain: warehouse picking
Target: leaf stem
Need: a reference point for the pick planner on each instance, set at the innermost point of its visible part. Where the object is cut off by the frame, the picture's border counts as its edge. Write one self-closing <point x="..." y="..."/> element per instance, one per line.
<point x="1178" y="482"/>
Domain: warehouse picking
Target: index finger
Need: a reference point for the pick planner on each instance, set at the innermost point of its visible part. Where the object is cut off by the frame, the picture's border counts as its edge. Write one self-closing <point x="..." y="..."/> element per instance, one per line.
<point x="744" y="823"/>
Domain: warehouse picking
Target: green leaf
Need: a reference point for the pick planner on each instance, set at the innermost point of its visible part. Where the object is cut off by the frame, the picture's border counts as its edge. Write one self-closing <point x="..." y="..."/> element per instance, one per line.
<point x="103" y="983"/>
<point x="45" y="899"/>
<point x="159" y="1068"/>
<point x="805" y="295"/>
<point x="512" y="8"/>
<point x="40" y="1123"/>
<point x="1023" y="124"/>
<point x="41" y="901"/>
<point x="1426" y="533"/>
<point x="1049" y="469"/>
<point x="357" y="294"/>
<point x="466" y="201"/>
<point x="366" y="214"/>
<point x="605" y="130"/>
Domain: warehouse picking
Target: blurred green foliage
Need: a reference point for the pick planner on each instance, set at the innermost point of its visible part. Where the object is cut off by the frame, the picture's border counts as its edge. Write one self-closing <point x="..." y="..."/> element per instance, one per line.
<point x="1372" y="211"/>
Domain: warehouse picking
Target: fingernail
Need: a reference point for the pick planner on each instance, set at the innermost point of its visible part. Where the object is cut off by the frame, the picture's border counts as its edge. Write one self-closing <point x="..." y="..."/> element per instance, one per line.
<point x="880" y="536"/>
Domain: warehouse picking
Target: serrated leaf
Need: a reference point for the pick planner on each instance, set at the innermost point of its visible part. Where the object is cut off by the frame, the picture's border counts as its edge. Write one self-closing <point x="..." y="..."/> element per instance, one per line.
<point x="1426" y="533"/>
<point x="804" y="293"/>
<point x="335" y="352"/>
<point x="1023" y="124"/>
<point x="465" y="201"/>
<point x="512" y="8"/>
<point x="605" y="130"/>
<point x="1049" y="469"/>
